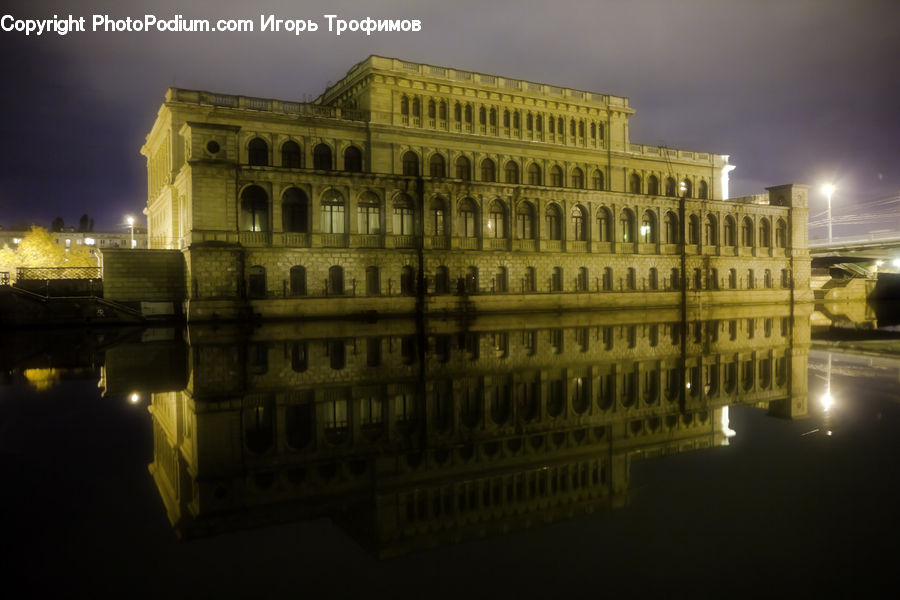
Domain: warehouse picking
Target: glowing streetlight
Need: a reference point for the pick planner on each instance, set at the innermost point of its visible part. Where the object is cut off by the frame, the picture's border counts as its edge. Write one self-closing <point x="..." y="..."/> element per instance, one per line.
<point x="134" y="398"/>
<point x="828" y="190"/>
<point x="130" y="221"/>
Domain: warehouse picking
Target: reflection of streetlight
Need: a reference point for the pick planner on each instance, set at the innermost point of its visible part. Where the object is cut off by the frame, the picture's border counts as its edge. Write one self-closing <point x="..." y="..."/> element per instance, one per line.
<point x="130" y="221"/>
<point x="828" y="190"/>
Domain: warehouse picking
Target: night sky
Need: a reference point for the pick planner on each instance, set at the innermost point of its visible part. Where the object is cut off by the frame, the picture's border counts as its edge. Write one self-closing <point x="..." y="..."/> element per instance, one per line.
<point x="793" y="91"/>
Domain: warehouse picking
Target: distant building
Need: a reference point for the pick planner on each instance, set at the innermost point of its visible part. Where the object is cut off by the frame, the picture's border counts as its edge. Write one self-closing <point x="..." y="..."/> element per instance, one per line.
<point x="407" y="185"/>
<point x="69" y="237"/>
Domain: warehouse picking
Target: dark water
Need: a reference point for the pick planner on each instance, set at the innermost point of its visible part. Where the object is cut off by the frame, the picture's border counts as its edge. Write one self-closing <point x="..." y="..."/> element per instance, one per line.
<point x="556" y="455"/>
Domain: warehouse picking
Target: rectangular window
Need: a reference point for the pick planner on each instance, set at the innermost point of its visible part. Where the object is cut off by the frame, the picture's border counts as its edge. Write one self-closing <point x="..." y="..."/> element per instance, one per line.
<point x="332" y="218"/>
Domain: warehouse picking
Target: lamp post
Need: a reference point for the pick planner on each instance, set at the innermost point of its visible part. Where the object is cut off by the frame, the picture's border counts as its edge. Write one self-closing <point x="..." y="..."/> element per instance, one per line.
<point x="828" y="190"/>
<point x="130" y="221"/>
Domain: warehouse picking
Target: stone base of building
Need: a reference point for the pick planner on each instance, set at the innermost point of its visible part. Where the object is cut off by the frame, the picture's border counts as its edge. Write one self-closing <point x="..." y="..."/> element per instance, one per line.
<point x="200" y="310"/>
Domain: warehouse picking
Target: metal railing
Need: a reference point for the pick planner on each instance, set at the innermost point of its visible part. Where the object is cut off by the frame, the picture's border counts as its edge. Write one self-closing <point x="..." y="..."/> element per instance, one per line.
<point x="40" y="273"/>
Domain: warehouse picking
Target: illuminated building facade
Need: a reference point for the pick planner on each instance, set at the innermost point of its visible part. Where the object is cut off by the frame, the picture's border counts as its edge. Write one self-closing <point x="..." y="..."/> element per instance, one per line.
<point x="407" y="186"/>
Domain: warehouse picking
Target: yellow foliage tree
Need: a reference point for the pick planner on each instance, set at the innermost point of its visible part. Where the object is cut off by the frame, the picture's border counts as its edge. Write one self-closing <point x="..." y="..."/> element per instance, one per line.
<point x="39" y="249"/>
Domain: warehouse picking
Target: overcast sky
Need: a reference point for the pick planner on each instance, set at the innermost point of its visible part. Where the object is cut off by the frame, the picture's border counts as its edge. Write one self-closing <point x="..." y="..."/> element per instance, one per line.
<point x="794" y="91"/>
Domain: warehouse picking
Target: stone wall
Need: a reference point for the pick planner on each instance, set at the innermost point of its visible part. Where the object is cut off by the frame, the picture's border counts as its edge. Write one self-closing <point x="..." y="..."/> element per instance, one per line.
<point x="143" y="275"/>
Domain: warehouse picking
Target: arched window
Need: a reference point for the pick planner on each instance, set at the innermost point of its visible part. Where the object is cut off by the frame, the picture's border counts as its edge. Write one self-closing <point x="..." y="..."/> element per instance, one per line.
<point x="529" y="122"/>
<point x="436" y="166"/>
<point x="577" y="178"/>
<point x="468" y="218"/>
<point x="322" y="157"/>
<point x="626" y="226"/>
<point x="258" y="152"/>
<point x="373" y="281"/>
<point x="634" y="183"/>
<point x="600" y="131"/>
<point x="604" y="223"/>
<point x="765" y="235"/>
<point x="703" y="190"/>
<point x="670" y="186"/>
<point x="436" y="217"/>
<point x="403" y="215"/>
<point x="500" y="280"/>
<point x="539" y="123"/>
<point x="631" y="279"/>
<point x="511" y="172"/>
<point x="471" y="284"/>
<point x="482" y="116"/>
<point x="747" y="232"/>
<point x="670" y="228"/>
<point x="463" y="168"/>
<point x="488" y="170"/>
<point x="525" y="221"/>
<point x="442" y="280"/>
<point x="781" y="234"/>
<point x="290" y="155"/>
<point x="416" y="108"/>
<point x="496" y="225"/>
<point x="335" y="280"/>
<point x="572" y="128"/>
<point x="256" y="282"/>
<point x="410" y="163"/>
<point x="593" y="131"/>
<point x="653" y="185"/>
<point x="686" y="188"/>
<point x="294" y="211"/>
<point x="556" y="280"/>
<point x="648" y="228"/>
<point x="442" y="111"/>
<point x="407" y="281"/>
<point x="506" y="118"/>
<point x="353" y="160"/>
<point x="582" y="280"/>
<point x="493" y="117"/>
<point x="767" y="278"/>
<point x="468" y="114"/>
<point x="516" y="123"/>
<point x="710" y="231"/>
<point x="534" y="174"/>
<point x="551" y="123"/>
<point x="579" y="223"/>
<point x="254" y="209"/>
<point x="561" y="126"/>
<point x="556" y="176"/>
<point x="298" y="281"/>
<point x="404" y="106"/>
<point x="368" y="214"/>
<point x="729" y="232"/>
<point x="693" y="229"/>
<point x="732" y="278"/>
<point x="432" y="109"/>
<point x="332" y="211"/>
<point x="606" y="280"/>
<point x="457" y="112"/>
<point x="553" y="222"/>
<point x="597" y="179"/>
<point x="653" y="279"/>
<point x="529" y="284"/>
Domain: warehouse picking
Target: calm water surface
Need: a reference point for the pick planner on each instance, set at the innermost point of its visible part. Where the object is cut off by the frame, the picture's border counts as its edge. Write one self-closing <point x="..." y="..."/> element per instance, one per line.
<point x="558" y="455"/>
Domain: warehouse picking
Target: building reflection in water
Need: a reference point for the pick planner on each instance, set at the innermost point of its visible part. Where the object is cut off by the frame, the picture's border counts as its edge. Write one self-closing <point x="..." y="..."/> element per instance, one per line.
<point x="414" y="439"/>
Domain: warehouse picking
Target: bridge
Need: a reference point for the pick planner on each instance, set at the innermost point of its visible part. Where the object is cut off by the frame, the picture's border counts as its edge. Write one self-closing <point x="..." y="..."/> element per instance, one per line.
<point x="877" y="245"/>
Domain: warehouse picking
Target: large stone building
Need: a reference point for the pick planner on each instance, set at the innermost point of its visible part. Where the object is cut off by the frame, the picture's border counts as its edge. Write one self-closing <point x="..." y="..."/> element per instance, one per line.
<point x="407" y="186"/>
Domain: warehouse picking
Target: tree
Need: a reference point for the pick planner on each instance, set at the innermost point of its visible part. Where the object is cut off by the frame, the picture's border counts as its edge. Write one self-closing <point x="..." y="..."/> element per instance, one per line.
<point x="39" y="249"/>
<point x="83" y="223"/>
<point x="57" y="224"/>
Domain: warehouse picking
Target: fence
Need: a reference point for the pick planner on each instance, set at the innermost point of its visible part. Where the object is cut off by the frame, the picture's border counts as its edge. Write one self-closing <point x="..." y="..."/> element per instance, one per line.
<point x="41" y="273"/>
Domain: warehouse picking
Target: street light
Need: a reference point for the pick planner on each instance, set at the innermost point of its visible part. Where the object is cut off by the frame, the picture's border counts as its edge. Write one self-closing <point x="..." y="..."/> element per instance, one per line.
<point x="828" y="190"/>
<point x="130" y="221"/>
